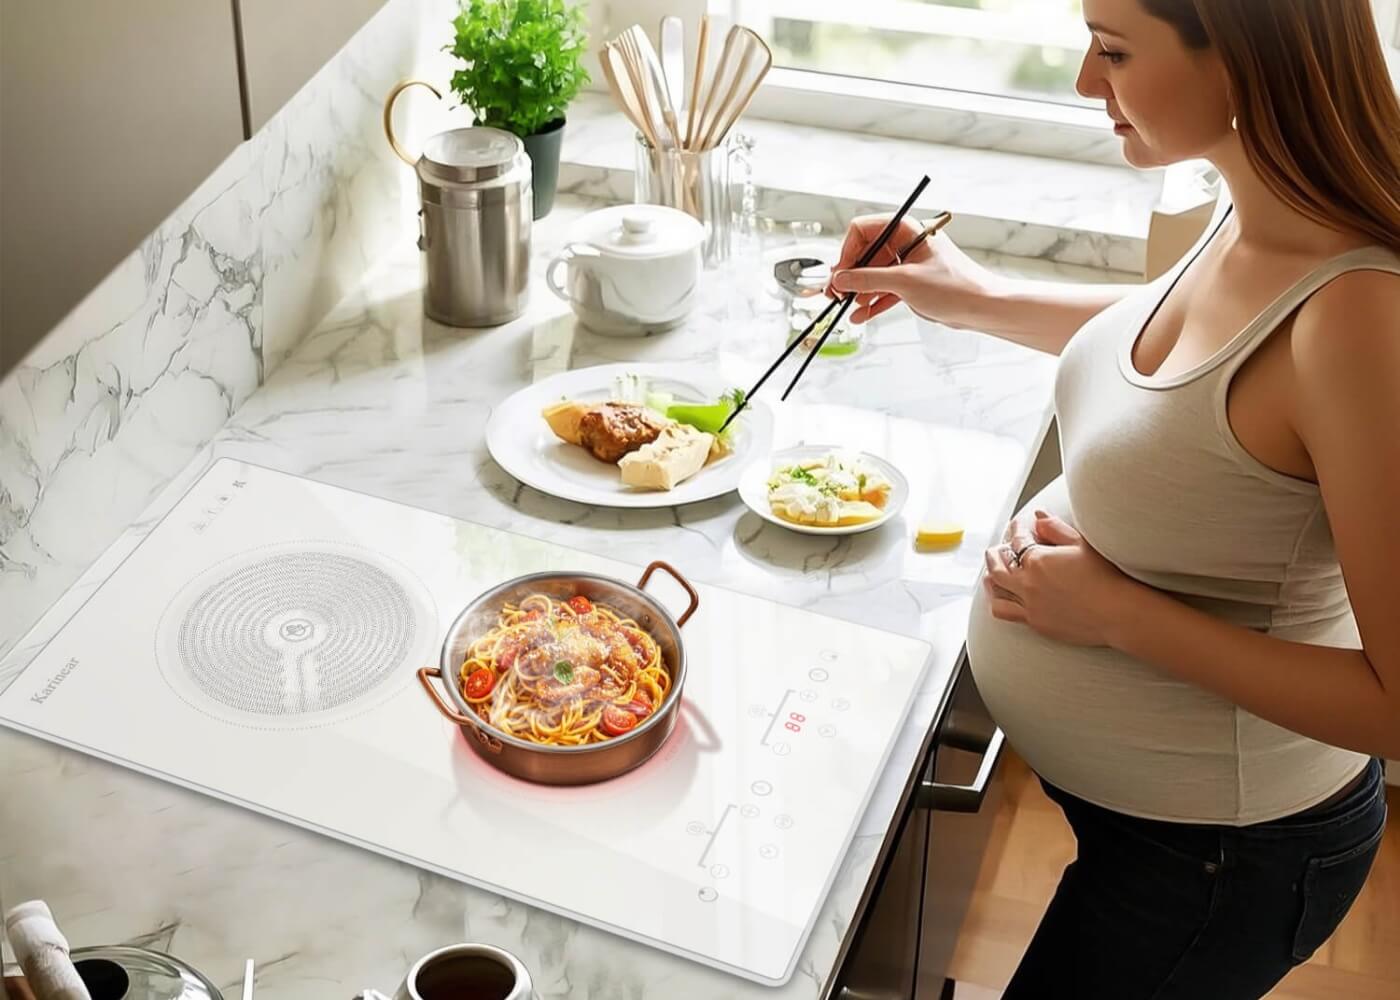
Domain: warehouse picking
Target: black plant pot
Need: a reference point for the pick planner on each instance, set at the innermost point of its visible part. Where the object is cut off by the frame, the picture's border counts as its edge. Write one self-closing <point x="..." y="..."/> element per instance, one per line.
<point x="543" y="149"/>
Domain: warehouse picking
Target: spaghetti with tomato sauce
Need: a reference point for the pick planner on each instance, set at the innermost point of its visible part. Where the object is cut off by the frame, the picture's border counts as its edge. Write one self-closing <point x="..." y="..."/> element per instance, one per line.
<point x="564" y="673"/>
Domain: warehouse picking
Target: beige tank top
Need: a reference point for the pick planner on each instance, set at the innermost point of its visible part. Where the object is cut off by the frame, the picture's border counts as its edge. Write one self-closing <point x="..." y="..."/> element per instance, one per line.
<point x="1155" y="479"/>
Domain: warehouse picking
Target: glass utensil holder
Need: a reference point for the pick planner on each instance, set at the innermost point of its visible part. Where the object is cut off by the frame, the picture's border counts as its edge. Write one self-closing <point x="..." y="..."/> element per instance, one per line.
<point x="714" y="186"/>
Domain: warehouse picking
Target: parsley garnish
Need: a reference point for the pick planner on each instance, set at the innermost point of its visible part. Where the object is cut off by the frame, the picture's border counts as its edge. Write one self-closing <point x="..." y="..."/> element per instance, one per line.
<point x="564" y="672"/>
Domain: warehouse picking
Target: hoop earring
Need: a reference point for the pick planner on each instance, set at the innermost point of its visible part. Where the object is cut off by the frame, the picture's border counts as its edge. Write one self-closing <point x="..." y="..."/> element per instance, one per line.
<point x="1234" y="123"/>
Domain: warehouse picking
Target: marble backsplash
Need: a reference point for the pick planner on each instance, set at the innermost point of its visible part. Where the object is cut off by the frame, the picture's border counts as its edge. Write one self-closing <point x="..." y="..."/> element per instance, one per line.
<point x="151" y="364"/>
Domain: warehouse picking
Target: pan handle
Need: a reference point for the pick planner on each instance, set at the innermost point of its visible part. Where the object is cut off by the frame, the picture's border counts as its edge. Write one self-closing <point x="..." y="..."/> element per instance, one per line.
<point x="675" y="575"/>
<point x="425" y="676"/>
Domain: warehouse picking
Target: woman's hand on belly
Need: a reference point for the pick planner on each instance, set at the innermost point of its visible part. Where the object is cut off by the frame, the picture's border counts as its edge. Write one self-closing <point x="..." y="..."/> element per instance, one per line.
<point x="1054" y="582"/>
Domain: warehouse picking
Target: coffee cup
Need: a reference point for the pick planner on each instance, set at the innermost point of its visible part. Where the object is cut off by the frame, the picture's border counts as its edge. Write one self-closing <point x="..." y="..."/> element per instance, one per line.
<point x="479" y="971"/>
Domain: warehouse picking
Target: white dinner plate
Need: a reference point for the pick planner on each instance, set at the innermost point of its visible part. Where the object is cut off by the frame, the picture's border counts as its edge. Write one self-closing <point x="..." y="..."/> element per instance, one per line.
<point x="753" y="488"/>
<point x="521" y="442"/>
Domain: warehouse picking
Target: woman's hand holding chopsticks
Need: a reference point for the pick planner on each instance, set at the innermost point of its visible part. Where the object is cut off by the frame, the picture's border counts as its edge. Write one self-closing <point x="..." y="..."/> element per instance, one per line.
<point x="938" y="281"/>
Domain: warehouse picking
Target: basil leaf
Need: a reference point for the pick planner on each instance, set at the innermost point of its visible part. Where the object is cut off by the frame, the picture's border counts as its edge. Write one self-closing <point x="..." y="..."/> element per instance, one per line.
<point x="564" y="672"/>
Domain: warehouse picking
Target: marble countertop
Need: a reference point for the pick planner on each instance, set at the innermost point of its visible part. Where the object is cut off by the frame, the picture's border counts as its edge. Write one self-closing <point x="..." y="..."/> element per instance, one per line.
<point x="380" y="400"/>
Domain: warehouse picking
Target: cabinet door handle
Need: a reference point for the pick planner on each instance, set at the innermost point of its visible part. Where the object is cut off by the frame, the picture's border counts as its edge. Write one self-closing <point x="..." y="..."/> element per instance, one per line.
<point x="964" y="798"/>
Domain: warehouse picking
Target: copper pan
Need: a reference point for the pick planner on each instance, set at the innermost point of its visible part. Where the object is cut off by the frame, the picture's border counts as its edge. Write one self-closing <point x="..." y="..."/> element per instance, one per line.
<point x="553" y="765"/>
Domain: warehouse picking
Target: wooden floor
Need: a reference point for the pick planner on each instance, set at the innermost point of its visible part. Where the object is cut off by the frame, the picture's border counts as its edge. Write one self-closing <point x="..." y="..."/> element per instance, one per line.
<point x="1031" y="845"/>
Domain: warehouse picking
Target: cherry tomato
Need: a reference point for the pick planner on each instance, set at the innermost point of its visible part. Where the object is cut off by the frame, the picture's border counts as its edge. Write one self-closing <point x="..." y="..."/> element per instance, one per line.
<point x="479" y="683"/>
<point x="617" y="720"/>
<point x="580" y="604"/>
<point x="638" y="646"/>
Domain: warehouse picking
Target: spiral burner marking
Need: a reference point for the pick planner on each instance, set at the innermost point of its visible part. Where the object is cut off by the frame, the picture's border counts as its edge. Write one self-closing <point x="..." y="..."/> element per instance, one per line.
<point x="297" y="632"/>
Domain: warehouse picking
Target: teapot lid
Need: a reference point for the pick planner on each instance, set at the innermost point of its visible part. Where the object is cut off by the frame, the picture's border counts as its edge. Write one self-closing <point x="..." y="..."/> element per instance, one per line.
<point x="477" y="153"/>
<point x="639" y="231"/>
<point x="118" y="971"/>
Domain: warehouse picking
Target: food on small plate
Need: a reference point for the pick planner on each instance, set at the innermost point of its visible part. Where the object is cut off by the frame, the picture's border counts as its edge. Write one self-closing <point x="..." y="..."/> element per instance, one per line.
<point x="656" y="442"/>
<point x="676" y="455"/>
<point x="835" y="490"/>
<point x="564" y="672"/>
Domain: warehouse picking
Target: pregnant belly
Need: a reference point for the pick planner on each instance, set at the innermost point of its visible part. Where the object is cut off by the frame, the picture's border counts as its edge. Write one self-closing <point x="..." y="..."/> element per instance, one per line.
<point x="1127" y="736"/>
<point x="1103" y="726"/>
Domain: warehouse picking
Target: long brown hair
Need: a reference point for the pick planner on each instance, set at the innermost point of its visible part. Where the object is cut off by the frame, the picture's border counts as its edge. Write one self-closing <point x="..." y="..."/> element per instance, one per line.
<point x="1315" y="105"/>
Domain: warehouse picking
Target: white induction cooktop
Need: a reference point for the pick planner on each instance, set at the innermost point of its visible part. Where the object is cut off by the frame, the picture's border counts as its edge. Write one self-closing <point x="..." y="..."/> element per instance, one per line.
<point x="260" y="646"/>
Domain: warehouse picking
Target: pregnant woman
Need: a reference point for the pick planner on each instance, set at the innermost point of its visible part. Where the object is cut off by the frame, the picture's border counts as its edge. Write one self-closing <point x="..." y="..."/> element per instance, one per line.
<point x="1193" y="635"/>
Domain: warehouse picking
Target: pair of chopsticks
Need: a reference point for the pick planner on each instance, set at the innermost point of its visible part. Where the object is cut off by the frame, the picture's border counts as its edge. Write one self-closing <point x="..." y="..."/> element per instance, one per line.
<point x="844" y="303"/>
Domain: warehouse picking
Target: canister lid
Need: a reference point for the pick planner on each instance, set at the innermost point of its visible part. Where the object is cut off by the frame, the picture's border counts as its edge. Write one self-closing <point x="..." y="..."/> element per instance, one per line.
<point x="123" y="971"/>
<point x="471" y="154"/>
<point x="639" y="231"/>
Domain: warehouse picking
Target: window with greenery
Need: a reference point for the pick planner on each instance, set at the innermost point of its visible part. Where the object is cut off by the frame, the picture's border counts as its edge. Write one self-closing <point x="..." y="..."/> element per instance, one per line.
<point x="1013" y="48"/>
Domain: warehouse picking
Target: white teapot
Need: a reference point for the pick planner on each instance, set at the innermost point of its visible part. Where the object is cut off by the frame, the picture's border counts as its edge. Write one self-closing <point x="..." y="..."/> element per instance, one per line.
<point x="631" y="269"/>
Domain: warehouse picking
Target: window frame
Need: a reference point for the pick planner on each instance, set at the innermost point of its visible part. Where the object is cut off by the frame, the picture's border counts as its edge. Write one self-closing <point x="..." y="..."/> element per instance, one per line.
<point x="1008" y="124"/>
<point x="881" y="107"/>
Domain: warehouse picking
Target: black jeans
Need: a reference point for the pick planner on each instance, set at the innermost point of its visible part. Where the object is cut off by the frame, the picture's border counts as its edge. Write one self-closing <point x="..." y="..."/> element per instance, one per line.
<point x="1151" y="910"/>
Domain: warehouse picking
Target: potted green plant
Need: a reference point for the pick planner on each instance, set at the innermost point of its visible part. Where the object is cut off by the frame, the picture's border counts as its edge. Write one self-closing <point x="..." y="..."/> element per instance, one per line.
<point x="522" y="63"/>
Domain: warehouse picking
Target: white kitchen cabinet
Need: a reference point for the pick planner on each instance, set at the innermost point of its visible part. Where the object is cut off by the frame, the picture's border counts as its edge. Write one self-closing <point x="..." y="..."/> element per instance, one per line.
<point x="113" y="113"/>
<point x="285" y="42"/>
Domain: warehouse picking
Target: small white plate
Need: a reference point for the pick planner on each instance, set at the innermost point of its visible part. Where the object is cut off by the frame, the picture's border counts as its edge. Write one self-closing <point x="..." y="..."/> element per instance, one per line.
<point x="521" y="442"/>
<point x="753" y="489"/>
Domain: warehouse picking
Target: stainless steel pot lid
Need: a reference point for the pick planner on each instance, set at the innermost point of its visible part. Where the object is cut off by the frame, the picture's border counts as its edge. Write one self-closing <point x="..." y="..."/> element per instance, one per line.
<point x="471" y="154"/>
<point x="120" y="972"/>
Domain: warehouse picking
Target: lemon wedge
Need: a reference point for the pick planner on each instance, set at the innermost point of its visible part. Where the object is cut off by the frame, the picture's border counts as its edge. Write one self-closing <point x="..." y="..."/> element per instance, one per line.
<point x="939" y="535"/>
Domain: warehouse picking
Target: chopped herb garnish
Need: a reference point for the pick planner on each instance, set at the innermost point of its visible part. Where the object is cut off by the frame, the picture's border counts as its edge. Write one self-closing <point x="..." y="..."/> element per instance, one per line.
<point x="800" y="475"/>
<point x="564" y="672"/>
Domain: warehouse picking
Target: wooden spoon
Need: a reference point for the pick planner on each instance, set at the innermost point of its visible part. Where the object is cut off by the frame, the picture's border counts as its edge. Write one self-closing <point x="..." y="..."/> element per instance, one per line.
<point x="754" y="60"/>
<point x="619" y="78"/>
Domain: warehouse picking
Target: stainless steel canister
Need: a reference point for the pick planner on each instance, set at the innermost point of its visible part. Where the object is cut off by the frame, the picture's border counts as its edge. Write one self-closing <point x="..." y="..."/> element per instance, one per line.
<point x="474" y="226"/>
<point x="475" y="186"/>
